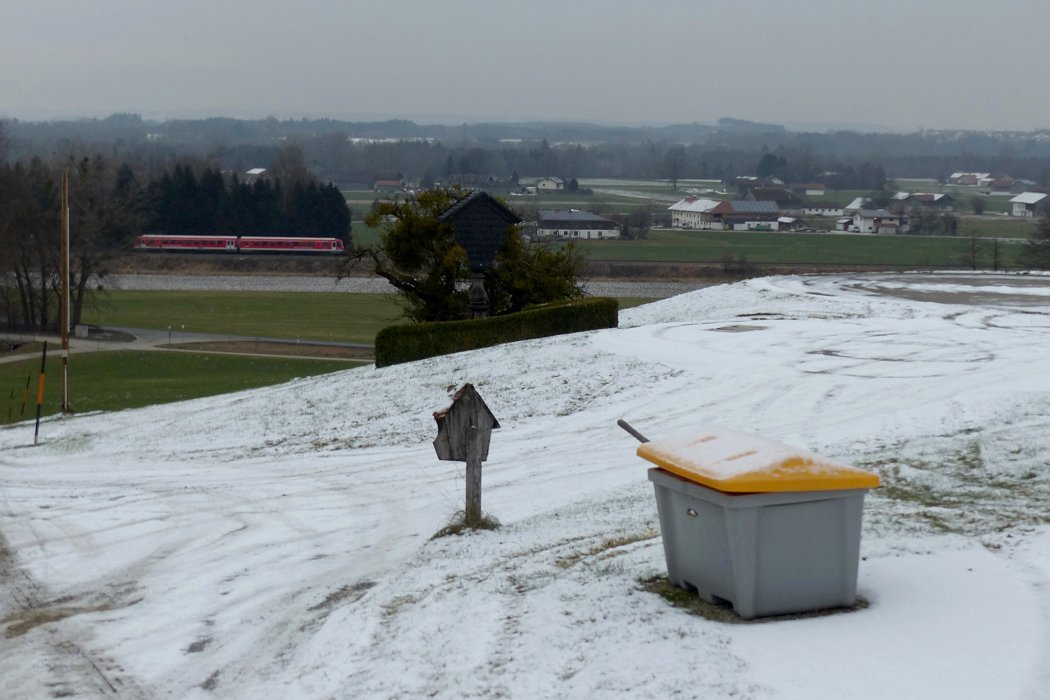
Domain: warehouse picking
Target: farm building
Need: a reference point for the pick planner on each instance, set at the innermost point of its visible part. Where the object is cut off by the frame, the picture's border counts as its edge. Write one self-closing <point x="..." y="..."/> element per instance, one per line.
<point x="691" y="213"/>
<point x="550" y="184"/>
<point x="821" y="209"/>
<point x="477" y="181"/>
<point x="1030" y="204"/>
<point x="809" y="189"/>
<point x="574" y="223"/>
<point x="922" y="200"/>
<point x="784" y="199"/>
<point x="743" y="215"/>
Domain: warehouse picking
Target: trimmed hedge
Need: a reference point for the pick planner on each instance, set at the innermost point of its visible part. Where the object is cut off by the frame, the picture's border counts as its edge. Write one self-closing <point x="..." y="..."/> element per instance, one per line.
<point x="396" y="344"/>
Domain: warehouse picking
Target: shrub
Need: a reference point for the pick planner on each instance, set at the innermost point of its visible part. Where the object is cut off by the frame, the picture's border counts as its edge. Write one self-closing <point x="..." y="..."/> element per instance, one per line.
<point x="396" y="344"/>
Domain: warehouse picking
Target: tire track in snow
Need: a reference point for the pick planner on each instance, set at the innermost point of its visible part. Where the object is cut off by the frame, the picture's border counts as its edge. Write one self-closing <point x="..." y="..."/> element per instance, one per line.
<point x="34" y="618"/>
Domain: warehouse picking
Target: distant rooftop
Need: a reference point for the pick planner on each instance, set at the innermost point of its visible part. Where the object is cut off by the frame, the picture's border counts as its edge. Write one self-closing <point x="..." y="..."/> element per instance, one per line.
<point x="1029" y="198"/>
<point x="576" y="215"/>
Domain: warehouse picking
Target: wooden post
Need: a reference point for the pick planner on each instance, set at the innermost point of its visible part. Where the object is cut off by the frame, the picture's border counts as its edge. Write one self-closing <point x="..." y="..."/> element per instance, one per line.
<point x="477" y="296"/>
<point x="464" y="431"/>
<point x="40" y="393"/>
<point x="472" y="513"/>
<point x="25" y="396"/>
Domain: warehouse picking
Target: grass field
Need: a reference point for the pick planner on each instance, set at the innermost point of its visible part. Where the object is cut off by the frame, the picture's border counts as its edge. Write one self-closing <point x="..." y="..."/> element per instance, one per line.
<point x="334" y="316"/>
<point x="995" y="226"/>
<point x="615" y="197"/>
<point x="796" y="248"/>
<point x="114" y="380"/>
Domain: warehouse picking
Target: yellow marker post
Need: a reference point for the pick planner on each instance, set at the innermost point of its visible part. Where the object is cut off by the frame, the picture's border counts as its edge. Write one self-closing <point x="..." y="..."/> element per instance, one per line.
<point x="40" y="392"/>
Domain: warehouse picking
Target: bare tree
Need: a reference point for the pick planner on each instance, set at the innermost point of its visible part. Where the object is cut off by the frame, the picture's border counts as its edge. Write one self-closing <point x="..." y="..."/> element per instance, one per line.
<point x="674" y="163"/>
<point x="103" y="210"/>
<point x="105" y="202"/>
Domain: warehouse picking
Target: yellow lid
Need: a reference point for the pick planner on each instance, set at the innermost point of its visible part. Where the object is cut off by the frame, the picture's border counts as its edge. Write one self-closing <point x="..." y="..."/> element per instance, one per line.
<point x="735" y="462"/>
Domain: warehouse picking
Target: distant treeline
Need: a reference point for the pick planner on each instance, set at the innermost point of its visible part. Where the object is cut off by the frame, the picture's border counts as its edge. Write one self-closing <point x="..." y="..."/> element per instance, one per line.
<point x="352" y="154"/>
<point x="112" y="199"/>
<point x="182" y="202"/>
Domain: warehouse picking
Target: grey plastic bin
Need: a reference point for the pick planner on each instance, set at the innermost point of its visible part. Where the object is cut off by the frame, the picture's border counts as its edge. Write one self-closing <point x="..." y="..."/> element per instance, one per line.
<point x="768" y="552"/>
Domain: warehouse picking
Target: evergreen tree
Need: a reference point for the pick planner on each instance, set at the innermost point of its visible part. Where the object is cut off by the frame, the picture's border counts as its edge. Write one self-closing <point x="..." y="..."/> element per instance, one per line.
<point x="418" y="254"/>
<point x="1036" y="252"/>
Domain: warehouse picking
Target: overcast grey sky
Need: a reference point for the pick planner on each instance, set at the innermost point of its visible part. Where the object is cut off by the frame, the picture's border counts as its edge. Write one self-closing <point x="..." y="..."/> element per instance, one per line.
<point x="899" y="64"/>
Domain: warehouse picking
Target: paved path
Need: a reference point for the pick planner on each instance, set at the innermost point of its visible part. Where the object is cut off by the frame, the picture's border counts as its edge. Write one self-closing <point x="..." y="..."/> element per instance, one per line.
<point x="364" y="285"/>
<point x="116" y="338"/>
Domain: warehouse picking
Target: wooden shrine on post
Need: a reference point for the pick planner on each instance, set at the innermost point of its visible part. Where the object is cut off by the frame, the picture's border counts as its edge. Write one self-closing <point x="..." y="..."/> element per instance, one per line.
<point x="464" y="430"/>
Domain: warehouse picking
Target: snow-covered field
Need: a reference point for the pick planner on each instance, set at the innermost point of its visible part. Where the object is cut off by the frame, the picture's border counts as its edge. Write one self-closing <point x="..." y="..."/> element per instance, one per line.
<point x="276" y="543"/>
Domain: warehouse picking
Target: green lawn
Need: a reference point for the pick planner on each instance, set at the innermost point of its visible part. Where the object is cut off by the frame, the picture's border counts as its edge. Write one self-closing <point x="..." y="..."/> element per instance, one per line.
<point x="791" y="248"/>
<point x="114" y="380"/>
<point x="331" y="316"/>
<point x="996" y="226"/>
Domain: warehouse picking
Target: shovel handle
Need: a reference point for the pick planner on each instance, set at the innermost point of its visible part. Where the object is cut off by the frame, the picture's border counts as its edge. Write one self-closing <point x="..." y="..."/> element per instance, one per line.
<point x="627" y="426"/>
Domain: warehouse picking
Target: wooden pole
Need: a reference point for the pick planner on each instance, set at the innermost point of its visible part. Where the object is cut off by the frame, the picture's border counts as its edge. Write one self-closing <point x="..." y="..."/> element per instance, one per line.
<point x="25" y="395"/>
<point x="40" y="392"/>
<point x="65" y="292"/>
<point x="472" y="513"/>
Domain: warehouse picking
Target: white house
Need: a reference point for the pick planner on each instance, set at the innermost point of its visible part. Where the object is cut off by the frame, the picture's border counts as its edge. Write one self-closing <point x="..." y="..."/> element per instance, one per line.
<point x="1030" y="204"/>
<point x="878" y="221"/>
<point x="689" y="213"/>
<point x="574" y="223"/>
<point x="813" y="209"/>
<point x="550" y="184"/>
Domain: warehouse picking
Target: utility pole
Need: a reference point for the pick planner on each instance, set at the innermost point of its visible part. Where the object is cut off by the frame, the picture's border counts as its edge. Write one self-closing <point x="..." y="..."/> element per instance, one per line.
<point x="65" y="293"/>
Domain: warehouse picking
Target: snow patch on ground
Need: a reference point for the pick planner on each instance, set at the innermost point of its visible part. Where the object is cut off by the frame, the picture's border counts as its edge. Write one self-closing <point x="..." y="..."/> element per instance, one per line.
<point x="276" y="542"/>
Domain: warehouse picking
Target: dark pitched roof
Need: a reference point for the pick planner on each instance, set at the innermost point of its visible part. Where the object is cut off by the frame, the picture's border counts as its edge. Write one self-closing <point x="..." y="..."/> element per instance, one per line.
<point x="772" y="194"/>
<point x="743" y="206"/>
<point x="479" y="222"/>
<point x="574" y="215"/>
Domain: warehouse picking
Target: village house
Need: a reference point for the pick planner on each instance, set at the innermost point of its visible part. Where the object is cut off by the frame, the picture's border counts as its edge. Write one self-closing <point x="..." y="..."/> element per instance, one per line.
<point x="550" y="184"/>
<point x="1002" y="184"/>
<point x="1030" y="204"/>
<point x="574" y="224"/>
<point x="1021" y="185"/>
<point x="253" y="175"/>
<point x="690" y="213"/>
<point x="389" y="184"/>
<point x="878" y="221"/>
<point x="970" y="179"/>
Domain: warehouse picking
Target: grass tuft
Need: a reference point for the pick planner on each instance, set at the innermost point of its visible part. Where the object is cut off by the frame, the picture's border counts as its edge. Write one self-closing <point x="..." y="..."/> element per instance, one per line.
<point x="459" y="524"/>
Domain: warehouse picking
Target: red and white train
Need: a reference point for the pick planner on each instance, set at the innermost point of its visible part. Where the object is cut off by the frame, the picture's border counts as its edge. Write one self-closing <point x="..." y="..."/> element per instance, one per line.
<point x="238" y="244"/>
